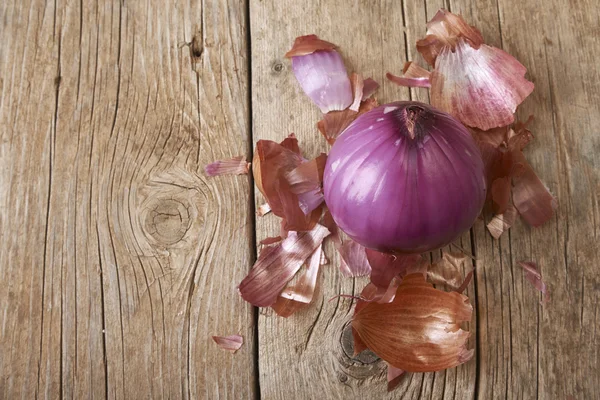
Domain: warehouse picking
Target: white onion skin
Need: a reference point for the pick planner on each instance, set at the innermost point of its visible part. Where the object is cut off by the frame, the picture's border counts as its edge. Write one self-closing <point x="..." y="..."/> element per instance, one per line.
<point x="404" y="178"/>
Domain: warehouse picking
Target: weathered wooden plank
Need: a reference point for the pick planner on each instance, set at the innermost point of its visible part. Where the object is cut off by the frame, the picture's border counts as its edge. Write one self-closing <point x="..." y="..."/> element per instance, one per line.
<point x="514" y="331"/>
<point x="548" y="351"/>
<point x="28" y="65"/>
<point x="309" y="354"/>
<point x="569" y="341"/>
<point x="112" y="239"/>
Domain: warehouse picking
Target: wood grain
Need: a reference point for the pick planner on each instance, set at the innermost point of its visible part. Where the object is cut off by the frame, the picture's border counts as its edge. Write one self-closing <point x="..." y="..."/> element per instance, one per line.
<point x="113" y="242"/>
<point x="119" y="258"/>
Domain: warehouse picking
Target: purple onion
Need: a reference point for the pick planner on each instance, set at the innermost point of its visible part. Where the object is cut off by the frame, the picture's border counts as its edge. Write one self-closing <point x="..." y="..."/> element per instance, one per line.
<point x="323" y="77"/>
<point x="404" y="177"/>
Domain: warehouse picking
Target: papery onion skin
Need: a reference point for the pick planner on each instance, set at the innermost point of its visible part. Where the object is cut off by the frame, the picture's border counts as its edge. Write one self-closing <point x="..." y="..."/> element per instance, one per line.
<point x="404" y="178"/>
<point x="323" y="77"/>
<point x="419" y="331"/>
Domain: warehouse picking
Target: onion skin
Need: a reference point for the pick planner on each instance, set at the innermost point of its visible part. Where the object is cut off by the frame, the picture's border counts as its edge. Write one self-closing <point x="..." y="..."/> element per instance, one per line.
<point x="323" y="77"/>
<point x="404" y="178"/>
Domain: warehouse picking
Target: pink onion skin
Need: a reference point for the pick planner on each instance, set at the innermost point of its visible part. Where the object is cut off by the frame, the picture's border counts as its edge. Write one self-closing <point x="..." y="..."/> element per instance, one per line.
<point x="323" y="77"/>
<point x="393" y="192"/>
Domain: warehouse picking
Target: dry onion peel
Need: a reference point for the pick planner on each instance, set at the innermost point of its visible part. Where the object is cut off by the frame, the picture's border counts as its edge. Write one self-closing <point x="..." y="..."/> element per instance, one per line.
<point x="413" y="75"/>
<point x="277" y="265"/>
<point x="532" y="274"/>
<point x="297" y="296"/>
<point x="502" y="222"/>
<point x="306" y="182"/>
<point x="443" y="31"/>
<point x="358" y="345"/>
<point x="271" y="160"/>
<point x="512" y="179"/>
<point x="270" y="240"/>
<point x="531" y="197"/>
<point x="335" y="122"/>
<point x="291" y="143"/>
<point x="387" y="266"/>
<point x="419" y="331"/>
<point x="308" y="44"/>
<point x="233" y="166"/>
<point x="230" y="343"/>
<point x="448" y="270"/>
<point x="370" y="86"/>
<point x="387" y="271"/>
<point x="324" y="259"/>
<point x="368" y="294"/>
<point x="394" y="376"/>
<point x="357" y="89"/>
<point x="330" y="224"/>
<point x="308" y="175"/>
<point x="263" y="210"/>
<point x="476" y="83"/>
<point x="272" y="164"/>
<point x="353" y="259"/>
<point x="481" y="87"/>
<point x="321" y="73"/>
<point x="495" y="137"/>
<point x="500" y="191"/>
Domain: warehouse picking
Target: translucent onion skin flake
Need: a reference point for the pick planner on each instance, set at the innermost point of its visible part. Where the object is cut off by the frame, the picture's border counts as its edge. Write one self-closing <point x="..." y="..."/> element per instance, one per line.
<point x="532" y="274"/>
<point x="481" y="87"/>
<point x="448" y="270"/>
<point x="353" y="260"/>
<point x="230" y="343"/>
<point x="443" y="31"/>
<point x="300" y="294"/>
<point x="321" y="73"/>
<point x="479" y="84"/>
<point x="277" y="265"/>
<point x="502" y="222"/>
<point x="233" y="166"/>
<point x="290" y="184"/>
<point x="394" y="377"/>
<point x="413" y="75"/>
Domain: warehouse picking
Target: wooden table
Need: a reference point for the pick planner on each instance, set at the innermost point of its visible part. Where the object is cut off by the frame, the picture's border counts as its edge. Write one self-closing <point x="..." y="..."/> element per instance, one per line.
<point x="119" y="259"/>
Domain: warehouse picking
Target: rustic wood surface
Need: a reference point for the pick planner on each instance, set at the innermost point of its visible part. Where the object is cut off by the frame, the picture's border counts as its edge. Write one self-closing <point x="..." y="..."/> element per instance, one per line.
<point x="118" y="256"/>
<point x="119" y="259"/>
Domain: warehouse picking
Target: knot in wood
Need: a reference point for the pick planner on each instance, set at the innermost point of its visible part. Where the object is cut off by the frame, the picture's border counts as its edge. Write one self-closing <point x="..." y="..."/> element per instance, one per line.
<point x="170" y="209"/>
<point x="277" y="67"/>
<point x="347" y="343"/>
<point x="353" y="370"/>
<point x="196" y="46"/>
<point x="167" y="220"/>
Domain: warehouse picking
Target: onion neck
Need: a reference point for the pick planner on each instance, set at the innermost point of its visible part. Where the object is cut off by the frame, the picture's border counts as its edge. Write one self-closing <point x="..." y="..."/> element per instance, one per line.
<point x="412" y="114"/>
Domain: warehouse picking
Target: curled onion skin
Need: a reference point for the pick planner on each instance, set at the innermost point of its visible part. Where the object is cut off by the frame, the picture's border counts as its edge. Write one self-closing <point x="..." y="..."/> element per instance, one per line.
<point x="405" y="178"/>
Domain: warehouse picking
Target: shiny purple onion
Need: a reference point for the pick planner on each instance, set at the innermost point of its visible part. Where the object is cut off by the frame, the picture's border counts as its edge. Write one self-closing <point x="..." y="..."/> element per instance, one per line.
<point x="404" y="177"/>
<point x="323" y="77"/>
